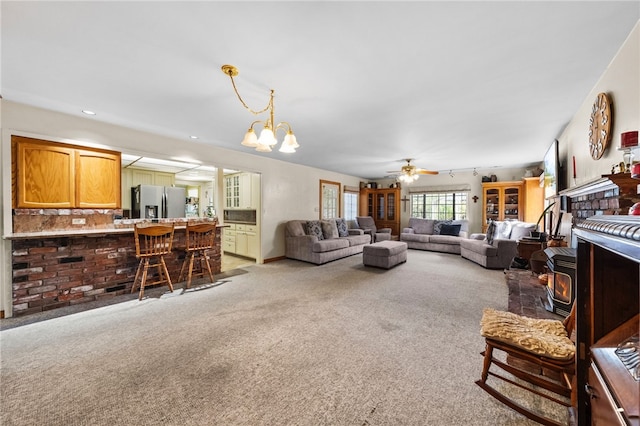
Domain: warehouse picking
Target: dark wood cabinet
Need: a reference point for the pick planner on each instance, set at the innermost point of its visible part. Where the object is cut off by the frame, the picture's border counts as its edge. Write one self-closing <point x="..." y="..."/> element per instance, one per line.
<point x="607" y="314"/>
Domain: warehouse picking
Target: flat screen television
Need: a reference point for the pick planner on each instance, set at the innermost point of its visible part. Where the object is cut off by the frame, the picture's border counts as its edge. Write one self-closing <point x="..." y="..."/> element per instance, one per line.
<point x="552" y="171"/>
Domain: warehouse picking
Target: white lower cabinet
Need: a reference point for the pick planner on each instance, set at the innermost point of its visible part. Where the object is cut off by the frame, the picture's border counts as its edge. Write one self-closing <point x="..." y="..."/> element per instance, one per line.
<point x="242" y="240"/>
<point x="229" y="238"/>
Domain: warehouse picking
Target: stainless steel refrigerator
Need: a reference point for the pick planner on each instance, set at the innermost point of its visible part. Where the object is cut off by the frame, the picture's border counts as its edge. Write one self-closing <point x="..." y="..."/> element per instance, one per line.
<point x="157" y="202"/>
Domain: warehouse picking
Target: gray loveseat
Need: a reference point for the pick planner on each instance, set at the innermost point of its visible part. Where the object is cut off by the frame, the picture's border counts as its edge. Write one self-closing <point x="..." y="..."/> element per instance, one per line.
<point x="320" y="242"/>
<point x="435" y="235"/>
<point x="499" y="246"/>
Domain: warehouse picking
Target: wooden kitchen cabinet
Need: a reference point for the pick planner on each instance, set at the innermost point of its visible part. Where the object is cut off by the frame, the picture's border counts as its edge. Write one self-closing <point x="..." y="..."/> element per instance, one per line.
<point x="55" y="175"/>
<point x="383" y="205"/>
<point x="97" y="179"/>
<point x="502" y="201"/>
<point x="44" y="174"/>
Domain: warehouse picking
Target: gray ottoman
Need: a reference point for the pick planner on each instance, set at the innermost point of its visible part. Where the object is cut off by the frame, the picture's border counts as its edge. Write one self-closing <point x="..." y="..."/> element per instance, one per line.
<point x="385" y="254"/>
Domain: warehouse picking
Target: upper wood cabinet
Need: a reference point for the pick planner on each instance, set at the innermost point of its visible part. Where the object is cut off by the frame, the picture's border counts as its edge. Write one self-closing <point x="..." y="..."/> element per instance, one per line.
<point x="97" y="179"/>
<point x="54" y="175"/>
<point x="44" y="174"/>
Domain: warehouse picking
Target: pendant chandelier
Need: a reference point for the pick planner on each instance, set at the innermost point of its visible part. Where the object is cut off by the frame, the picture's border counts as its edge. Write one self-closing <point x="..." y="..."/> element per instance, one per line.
<point x="267" y="137"/>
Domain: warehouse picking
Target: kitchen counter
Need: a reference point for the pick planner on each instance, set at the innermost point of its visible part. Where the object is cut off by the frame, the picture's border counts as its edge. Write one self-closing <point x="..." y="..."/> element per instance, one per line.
<point x="57" y="268"/>
<point x="121" y="226"/>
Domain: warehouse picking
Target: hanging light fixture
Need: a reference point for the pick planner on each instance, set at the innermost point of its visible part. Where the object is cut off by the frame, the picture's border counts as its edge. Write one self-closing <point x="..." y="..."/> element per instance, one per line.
<point x="408" y="178"/>
<point x="267" y="137"/>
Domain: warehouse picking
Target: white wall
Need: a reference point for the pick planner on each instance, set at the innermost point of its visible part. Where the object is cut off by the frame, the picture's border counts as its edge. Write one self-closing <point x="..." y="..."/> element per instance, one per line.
<point x="621" y="82"/>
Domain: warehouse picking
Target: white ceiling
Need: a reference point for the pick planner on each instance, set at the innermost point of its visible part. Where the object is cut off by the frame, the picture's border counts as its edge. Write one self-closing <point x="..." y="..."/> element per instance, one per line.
<point x="454" y="85"/>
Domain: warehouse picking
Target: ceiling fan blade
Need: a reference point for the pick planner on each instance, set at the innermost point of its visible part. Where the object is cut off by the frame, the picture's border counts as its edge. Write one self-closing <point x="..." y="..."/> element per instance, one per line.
<point x="396" y="172"/>
<point x="426" y="172"/>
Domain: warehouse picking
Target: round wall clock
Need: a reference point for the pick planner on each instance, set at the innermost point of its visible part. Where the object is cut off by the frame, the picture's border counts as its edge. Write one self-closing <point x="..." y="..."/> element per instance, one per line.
<point x="600" y="126"/>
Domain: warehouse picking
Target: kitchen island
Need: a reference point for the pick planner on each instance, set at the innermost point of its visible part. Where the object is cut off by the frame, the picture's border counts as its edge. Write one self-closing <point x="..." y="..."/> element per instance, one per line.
<point x="56" y="268"/>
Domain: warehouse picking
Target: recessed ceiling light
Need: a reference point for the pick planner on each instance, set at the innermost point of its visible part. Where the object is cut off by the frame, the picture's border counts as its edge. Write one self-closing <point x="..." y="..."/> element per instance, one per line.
<point x="193" y="137"/>
<point x="86" y="111"/>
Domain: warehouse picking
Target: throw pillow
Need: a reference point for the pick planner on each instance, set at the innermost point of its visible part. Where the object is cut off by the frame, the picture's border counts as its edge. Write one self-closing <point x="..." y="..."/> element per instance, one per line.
<point x="453" y="230"/>
<point x="315" y="228"/>
<point x="438" y="225"/>
<point x="491" y="229"/>
<point x="504" y="230"/>
<point x="329" y="229"/>
<point x="343" y="229"/>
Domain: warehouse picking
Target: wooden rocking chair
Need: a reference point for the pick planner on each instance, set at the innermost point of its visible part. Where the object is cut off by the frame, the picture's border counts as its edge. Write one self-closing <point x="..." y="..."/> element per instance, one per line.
<point x="530" y="342"/>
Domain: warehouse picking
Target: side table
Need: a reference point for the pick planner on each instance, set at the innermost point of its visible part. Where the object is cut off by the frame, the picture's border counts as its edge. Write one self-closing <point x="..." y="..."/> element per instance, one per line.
<point x="527" y="247"/>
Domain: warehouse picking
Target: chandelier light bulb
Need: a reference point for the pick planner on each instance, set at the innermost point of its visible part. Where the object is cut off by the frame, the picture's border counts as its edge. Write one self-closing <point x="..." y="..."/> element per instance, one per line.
<point x="289" y="144"/>
<point x="250" y="139"/>
<point x="267" y="137"/>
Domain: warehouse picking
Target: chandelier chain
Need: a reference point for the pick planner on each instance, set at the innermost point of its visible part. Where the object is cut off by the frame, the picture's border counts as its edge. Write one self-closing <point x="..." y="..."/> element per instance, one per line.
<point x="265" y="109"/>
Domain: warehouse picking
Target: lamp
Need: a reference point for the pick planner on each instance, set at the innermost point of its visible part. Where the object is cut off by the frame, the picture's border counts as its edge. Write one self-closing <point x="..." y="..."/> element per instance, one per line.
<point x="267" y="137"/>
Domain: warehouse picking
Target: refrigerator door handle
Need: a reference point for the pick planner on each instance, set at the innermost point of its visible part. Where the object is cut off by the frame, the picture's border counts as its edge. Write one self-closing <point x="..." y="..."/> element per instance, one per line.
<point x="164" y="204"/>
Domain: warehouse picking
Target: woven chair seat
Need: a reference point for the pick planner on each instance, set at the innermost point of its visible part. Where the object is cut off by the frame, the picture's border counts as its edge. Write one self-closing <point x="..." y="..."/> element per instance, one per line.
<point x="544" y="337"/>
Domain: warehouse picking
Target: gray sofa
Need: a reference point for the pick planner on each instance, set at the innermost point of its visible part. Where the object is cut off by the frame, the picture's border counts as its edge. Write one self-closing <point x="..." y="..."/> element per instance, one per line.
<point x="435" y="235"/>
<point x="320" y="242"/>
<point x="499" y="246"/>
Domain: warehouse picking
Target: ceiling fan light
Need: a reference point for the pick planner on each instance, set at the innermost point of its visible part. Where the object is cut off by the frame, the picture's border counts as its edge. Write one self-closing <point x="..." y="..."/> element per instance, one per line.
<point x="250" y="139"/>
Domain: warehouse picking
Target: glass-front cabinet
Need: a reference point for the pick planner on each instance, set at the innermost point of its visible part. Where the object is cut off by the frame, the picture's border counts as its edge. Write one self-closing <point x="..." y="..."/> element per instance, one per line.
<point x="501" y="201"/>
<point x="382" y="205"/>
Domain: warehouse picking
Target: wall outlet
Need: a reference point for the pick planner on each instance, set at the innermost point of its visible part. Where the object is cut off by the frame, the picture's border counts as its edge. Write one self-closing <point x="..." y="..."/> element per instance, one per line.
<point x="79" y="221"/>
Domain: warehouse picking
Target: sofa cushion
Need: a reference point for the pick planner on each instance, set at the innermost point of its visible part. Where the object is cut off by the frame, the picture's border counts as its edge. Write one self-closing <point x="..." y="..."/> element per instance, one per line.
<point x="314" y="228"/>
<point x="329" y="229"/>
<point x="295" y="228"/>
<point x="343" y="229"/>
<point x="444" y="239"/>
<point x="480" y="247"/>
<point x="421" y="226"/>
<point x="453" y="230"/>
<point x="322" y="246"/>
<point x="357" y="240"/>
<point x="438" y="225"/>
<point x="421" y="238"/>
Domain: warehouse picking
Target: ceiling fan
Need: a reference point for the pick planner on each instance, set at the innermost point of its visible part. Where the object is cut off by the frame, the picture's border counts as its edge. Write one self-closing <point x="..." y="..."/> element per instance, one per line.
<point x="409" y="172"/>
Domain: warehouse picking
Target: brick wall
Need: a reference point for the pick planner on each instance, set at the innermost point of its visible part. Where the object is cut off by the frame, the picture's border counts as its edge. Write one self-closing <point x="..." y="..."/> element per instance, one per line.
<point x="50" y="273"/>
<point x="611" y="201"/>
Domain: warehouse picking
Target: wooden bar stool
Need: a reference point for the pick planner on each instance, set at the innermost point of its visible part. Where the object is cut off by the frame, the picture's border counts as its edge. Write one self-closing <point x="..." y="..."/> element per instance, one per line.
<point x="153" y="242"/>
<point x="200" y="238"/>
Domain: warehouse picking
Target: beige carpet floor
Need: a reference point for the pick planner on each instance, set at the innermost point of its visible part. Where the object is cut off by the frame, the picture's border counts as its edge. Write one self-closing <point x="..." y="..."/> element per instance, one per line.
<point x="287" y="343"/>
